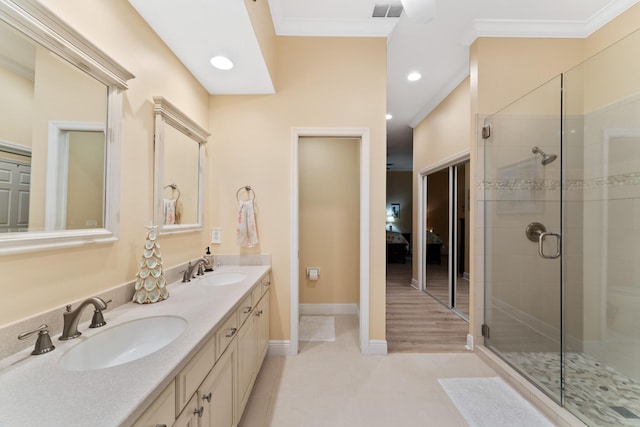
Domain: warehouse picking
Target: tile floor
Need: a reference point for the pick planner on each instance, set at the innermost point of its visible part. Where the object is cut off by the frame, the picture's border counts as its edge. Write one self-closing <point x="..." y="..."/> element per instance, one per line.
<point x="330" y="384"/>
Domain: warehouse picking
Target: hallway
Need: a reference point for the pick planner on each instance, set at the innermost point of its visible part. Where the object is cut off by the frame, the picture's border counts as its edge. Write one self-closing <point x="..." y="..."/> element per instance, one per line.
<point x="416" y="322"/>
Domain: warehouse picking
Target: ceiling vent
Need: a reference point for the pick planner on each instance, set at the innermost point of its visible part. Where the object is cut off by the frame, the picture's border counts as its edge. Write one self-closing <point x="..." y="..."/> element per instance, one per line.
<point x="387" y="11"/>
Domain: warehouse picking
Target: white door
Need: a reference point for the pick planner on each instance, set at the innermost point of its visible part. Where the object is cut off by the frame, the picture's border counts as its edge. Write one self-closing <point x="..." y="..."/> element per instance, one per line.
<point x="15" y="179"/>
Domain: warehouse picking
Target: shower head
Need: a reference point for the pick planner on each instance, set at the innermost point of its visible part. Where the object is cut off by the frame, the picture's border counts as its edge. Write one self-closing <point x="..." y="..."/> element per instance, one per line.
<point x="546" y="158"/>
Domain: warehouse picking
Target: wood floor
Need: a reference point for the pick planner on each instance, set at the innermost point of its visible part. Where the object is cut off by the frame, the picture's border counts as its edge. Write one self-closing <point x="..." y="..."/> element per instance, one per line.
<point x="416" y="322"/>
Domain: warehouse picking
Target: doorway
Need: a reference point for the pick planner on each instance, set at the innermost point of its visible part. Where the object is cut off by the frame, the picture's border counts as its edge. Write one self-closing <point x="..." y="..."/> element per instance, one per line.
<point x="296" y="270"/>
<point x="444" y="243"/>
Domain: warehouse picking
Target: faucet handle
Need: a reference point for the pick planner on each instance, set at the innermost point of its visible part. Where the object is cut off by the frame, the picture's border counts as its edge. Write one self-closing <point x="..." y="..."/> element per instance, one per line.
<point x="200" y="269"/>
<point x="186" y="277"/>
<point x="43" y="343"/>
<point x="98" y="319"/>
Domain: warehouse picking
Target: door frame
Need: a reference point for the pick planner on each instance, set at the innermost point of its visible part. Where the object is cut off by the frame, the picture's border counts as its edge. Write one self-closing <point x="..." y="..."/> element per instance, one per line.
<point x="294" y="301"/>
<point x="453" y="160"/>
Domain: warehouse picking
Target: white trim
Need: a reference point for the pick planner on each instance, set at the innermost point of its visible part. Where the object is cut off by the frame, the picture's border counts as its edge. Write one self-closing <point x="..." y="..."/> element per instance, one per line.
<point x="328" y="309"/>
<point x="19" y="149"/>
<point x="364" y="135"/>
<point x="375" y="348"/>
<point x="280" y="348"/>
<point x="548" y="28"/>
<point x="447" y="162"/>
<point x="55" y="218"/>
<point x="469" y="345"/>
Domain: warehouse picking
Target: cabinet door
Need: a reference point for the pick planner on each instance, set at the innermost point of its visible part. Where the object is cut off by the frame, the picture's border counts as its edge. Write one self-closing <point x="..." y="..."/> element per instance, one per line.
<point x="190" y="414"/>
<point x="262" y="315"/>
<point x="247" y="361"/>
<point x="216" y="392"/>
<point x="162" y="411"/>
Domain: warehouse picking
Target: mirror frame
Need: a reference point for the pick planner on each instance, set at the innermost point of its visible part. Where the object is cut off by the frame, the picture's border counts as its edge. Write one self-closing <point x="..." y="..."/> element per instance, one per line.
<point x="167" y="114"/>
<point x="43" y="27"/>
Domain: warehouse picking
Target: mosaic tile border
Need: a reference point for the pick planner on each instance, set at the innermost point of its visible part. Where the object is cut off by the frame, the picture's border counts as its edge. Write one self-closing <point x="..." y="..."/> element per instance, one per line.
<point x="597" y="392"/>
<point x="622" y="180"/>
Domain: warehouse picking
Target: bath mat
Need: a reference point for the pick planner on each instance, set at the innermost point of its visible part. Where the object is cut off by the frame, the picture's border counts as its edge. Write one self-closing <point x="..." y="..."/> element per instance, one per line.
<point x="317" y="328"/>
<point x="490" y="402"/>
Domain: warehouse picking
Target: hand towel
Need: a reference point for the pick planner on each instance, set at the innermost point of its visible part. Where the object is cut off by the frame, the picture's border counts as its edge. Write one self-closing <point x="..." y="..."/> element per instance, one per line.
<point x="247" y="232"/>
<point x="169" y="211"/>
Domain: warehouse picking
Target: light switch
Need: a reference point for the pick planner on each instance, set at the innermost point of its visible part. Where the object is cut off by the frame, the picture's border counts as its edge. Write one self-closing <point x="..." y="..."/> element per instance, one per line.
<point x="216" y="235"/>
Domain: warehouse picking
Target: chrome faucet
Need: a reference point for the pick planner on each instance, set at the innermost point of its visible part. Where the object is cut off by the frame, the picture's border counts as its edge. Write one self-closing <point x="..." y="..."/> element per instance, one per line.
<point x="188" y="272"/>
<point x="71" y="317"/>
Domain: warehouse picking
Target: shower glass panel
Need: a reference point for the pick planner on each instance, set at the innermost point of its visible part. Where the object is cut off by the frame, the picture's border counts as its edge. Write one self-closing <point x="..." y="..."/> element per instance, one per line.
<point x="601" y="253"/>
<point x="522" y="211"/>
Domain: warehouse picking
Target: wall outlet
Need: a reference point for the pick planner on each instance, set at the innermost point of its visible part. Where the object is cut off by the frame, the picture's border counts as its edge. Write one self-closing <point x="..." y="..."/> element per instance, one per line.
<point x="216" y="235"/>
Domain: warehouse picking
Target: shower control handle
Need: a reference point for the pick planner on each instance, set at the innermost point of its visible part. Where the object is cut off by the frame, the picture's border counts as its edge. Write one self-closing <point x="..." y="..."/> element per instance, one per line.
<point x="541" y="239"/>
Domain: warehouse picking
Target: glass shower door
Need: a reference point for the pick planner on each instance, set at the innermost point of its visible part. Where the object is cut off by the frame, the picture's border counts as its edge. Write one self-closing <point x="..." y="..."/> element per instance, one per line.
<point x="522" y="209"/>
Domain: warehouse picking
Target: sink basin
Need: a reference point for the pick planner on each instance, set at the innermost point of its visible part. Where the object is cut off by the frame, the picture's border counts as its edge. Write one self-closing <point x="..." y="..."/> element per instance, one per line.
<point x="224" y="278"/>
<point x="123" y="343"/>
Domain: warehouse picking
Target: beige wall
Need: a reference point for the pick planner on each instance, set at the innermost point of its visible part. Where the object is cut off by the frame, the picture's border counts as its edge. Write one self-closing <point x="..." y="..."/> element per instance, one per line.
<point x="322" y="82"/>
<point x="329" y="200"/>
<point x="35" y="282"/>
<point x="399" y="191"/>
<point x="15" y="117"/>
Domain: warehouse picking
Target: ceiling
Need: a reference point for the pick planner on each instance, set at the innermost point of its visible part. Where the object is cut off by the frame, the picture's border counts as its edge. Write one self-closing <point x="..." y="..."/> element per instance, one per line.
<point x="438" y="49"/>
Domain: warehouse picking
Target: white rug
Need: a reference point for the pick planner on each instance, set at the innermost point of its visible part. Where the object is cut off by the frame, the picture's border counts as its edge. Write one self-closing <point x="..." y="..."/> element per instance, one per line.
<point x="317" y="328"/>
<point x="490" y="402"/>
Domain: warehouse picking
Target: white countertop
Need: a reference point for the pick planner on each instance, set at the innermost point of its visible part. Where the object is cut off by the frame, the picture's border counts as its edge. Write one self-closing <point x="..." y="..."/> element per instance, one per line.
<point x="35" y="390"/>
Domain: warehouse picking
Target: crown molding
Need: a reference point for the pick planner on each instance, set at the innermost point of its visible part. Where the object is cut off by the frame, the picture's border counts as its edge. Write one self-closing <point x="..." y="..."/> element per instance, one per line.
<point x="547" y="28"/>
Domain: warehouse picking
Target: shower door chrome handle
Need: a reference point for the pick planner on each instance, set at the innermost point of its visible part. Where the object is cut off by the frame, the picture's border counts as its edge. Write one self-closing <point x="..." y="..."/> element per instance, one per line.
<point x="541" y="239"/>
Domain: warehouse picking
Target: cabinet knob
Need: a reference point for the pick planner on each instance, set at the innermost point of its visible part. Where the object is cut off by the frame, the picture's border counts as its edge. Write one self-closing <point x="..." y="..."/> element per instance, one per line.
<point x="231" y="332"/>
<point x="199" y="412"/>
<point x="207" y="397"/>
<point x="247" y="309"/>
<point x="258" y="313"/>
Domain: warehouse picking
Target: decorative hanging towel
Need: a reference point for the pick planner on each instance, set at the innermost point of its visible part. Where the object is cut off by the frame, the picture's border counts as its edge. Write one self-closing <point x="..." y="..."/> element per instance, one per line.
<point x="247" y="232"/>
<point x="151" y="285"/>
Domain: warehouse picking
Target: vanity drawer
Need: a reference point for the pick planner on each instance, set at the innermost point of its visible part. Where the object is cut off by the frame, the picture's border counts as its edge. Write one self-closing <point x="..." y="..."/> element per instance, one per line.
<point x="245" y="309"/>
<point x="226" y="333"/>
<point x="265" y="283"/>
<point x="190" y="378"/>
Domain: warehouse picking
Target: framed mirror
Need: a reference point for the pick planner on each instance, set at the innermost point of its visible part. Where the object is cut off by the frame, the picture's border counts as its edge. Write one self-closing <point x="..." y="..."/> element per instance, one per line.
<point x="60" y="118"/>
<point x="179" y="167"/>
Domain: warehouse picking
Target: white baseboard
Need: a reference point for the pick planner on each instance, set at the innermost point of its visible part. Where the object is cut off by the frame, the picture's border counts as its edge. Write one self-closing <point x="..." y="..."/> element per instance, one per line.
<point x="328" y="309"/>
<point x="375" y="348"/>
<point x="469" y="345"/>
<point x="280" y="348"/>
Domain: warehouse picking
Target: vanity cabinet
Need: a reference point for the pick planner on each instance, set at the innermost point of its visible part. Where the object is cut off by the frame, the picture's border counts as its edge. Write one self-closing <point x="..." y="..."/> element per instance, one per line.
<point x="253" y="343"/>
<point x="216" y="392"/>
<point x="162" y="411"/>
<point x="189" y="416"/>
<point x="214" y="386"/>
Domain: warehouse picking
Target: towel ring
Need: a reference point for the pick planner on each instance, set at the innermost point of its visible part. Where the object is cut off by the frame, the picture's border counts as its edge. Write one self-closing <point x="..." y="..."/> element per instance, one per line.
<point x="248" y="189"/>
<point x="174" y="187"/>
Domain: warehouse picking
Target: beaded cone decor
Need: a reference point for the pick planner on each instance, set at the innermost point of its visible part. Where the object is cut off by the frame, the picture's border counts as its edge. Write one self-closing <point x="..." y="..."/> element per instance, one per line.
<point x="151" y="285"/>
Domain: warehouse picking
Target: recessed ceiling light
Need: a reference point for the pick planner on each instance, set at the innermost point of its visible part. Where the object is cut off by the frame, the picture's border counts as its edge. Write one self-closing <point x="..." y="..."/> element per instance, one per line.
<point x="221" y="62"/>
<point x="389" y="116"/>
<point x="414" y="77"/>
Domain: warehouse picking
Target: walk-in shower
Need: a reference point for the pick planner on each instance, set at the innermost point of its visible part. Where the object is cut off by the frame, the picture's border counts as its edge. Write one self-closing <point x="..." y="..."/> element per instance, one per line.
<point x="562" y="238"/>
